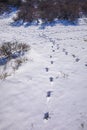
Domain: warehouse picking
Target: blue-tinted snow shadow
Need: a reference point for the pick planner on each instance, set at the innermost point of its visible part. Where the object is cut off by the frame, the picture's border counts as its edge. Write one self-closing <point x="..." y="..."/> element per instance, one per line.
<point x="9" y="13"/>
<point x="44" y="25"/>
<point x="17" y="23"/>
<point x="24" y="24"/>
<point x="4" y="60"/>
<point x="60" y="22"/>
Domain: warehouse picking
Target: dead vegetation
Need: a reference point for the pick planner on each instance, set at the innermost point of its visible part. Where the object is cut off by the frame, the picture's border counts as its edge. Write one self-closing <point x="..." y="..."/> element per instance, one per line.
<point x="49" y="10"/>
<point x="12" y="55"/>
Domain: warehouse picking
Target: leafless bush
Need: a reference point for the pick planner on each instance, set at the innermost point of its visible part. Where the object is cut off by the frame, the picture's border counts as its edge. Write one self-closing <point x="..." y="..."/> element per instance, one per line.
<point x="12" y="55"/>
<point x="3" y="7"/>
<point x="18" y="62"/>
<point x="9" y="49"/>
<point x="14" y="2"/>
<point x="48" y="10"/>
<point x="27" y="12"/>
<point x="3" y="76"/>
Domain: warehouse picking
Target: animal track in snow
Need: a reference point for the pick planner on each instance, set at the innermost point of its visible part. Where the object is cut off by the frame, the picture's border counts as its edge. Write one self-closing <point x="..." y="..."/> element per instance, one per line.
<point x="47" y="69"/>
<point x="64" y="49"/>
<point x="77" y="59"/>
<point x="52" y="62"/>
<point x="50" y="56"/>
<point x="86" y="65"/>
<point x="53" y="50"/>
<point x="57" y="48"/>
<point x="46" y="116"/>
<point x="51" y="79"/>
<point x="49" y="94"/>
<point x="66" y="53"/>
<point x="73" y="56"/>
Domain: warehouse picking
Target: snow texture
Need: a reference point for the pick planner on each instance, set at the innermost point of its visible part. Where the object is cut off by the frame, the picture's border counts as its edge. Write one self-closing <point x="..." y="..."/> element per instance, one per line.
<point x="49" y="92"/>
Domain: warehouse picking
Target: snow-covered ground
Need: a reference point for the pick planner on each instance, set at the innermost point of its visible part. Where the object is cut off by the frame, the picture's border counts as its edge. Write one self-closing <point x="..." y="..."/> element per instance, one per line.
<point x="49" y="91"/>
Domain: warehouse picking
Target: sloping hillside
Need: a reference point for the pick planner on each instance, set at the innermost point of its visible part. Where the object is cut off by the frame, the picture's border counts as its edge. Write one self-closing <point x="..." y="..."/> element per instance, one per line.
<point x="49" y="91"/>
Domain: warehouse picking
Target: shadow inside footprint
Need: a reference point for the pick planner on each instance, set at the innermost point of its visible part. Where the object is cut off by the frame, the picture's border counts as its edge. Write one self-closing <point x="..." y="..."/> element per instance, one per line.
<point x="47" y="69"/>
<point x="77" y="59"/>
<point x="73" y="56"/>
<point x="57" y="48"/>
<point x="66" y="53"/>
<point x="51" y="79"/>
<point x="53" y="50"/>
<point x="52" y="62"/>
<point x="49" y="94"/>
<point x="64" y="50"/>
<point x="46" y="116"/>
<point x="86" y="65"/>
<point x="50" y="56"/>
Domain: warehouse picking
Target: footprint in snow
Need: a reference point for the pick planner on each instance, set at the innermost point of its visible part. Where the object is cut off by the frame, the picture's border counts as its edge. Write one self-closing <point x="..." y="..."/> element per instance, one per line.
<point x="53" y="50"/>
<point x="51" y="79"/>
<point x="53" y="42"/>
<point x="77" y="59"/>
<point x="52" y="62"/>
<point x="66" y="53"/>
<point x="64" y="50"/>
<point x="48" y="96"/>
<point x="82" y="125"/>
<point x="46" y="116"/>
<point x="73" y="56"/>
<point x="86" y="65"/>
<point x="57" y="44"/>
<point x="57" y="48"/>
<point x="47" y="69"/>
<point x="50" y="56"/>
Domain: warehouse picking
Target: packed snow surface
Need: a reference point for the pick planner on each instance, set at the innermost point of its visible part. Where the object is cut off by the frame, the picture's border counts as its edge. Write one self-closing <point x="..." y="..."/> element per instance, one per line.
<point x="49" y="91"/>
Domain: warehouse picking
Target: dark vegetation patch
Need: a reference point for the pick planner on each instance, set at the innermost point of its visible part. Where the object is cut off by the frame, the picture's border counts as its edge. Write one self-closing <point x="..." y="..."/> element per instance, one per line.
<point x="48" y="10"/>
<point x="6" y="4"/>
<point x="12" y="55"/>
<point x="13" y="50"/>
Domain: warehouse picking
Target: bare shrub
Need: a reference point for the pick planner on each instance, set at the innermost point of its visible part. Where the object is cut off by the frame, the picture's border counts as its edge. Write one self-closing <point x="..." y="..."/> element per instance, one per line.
<point x="14" y="2"/>
<point x="3" y="76"/>
<point x="28" y="12"/>
<point x="3" y="7"/>
<point x="48" y="10"/>
<point x="12" y="55"/>
<point x="19" y="62"/>
<point x="9" y="49"/>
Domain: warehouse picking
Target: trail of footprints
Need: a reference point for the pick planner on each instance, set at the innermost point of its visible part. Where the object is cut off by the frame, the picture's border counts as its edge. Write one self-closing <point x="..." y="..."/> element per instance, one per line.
<point x="51" y="80"/>
<point x="47" y="69"/>
<point x="73" y="55"/>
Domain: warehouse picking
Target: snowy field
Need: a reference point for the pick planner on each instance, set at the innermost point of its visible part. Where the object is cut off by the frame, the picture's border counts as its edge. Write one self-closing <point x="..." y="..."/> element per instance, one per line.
<point x="49" y="91"/>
